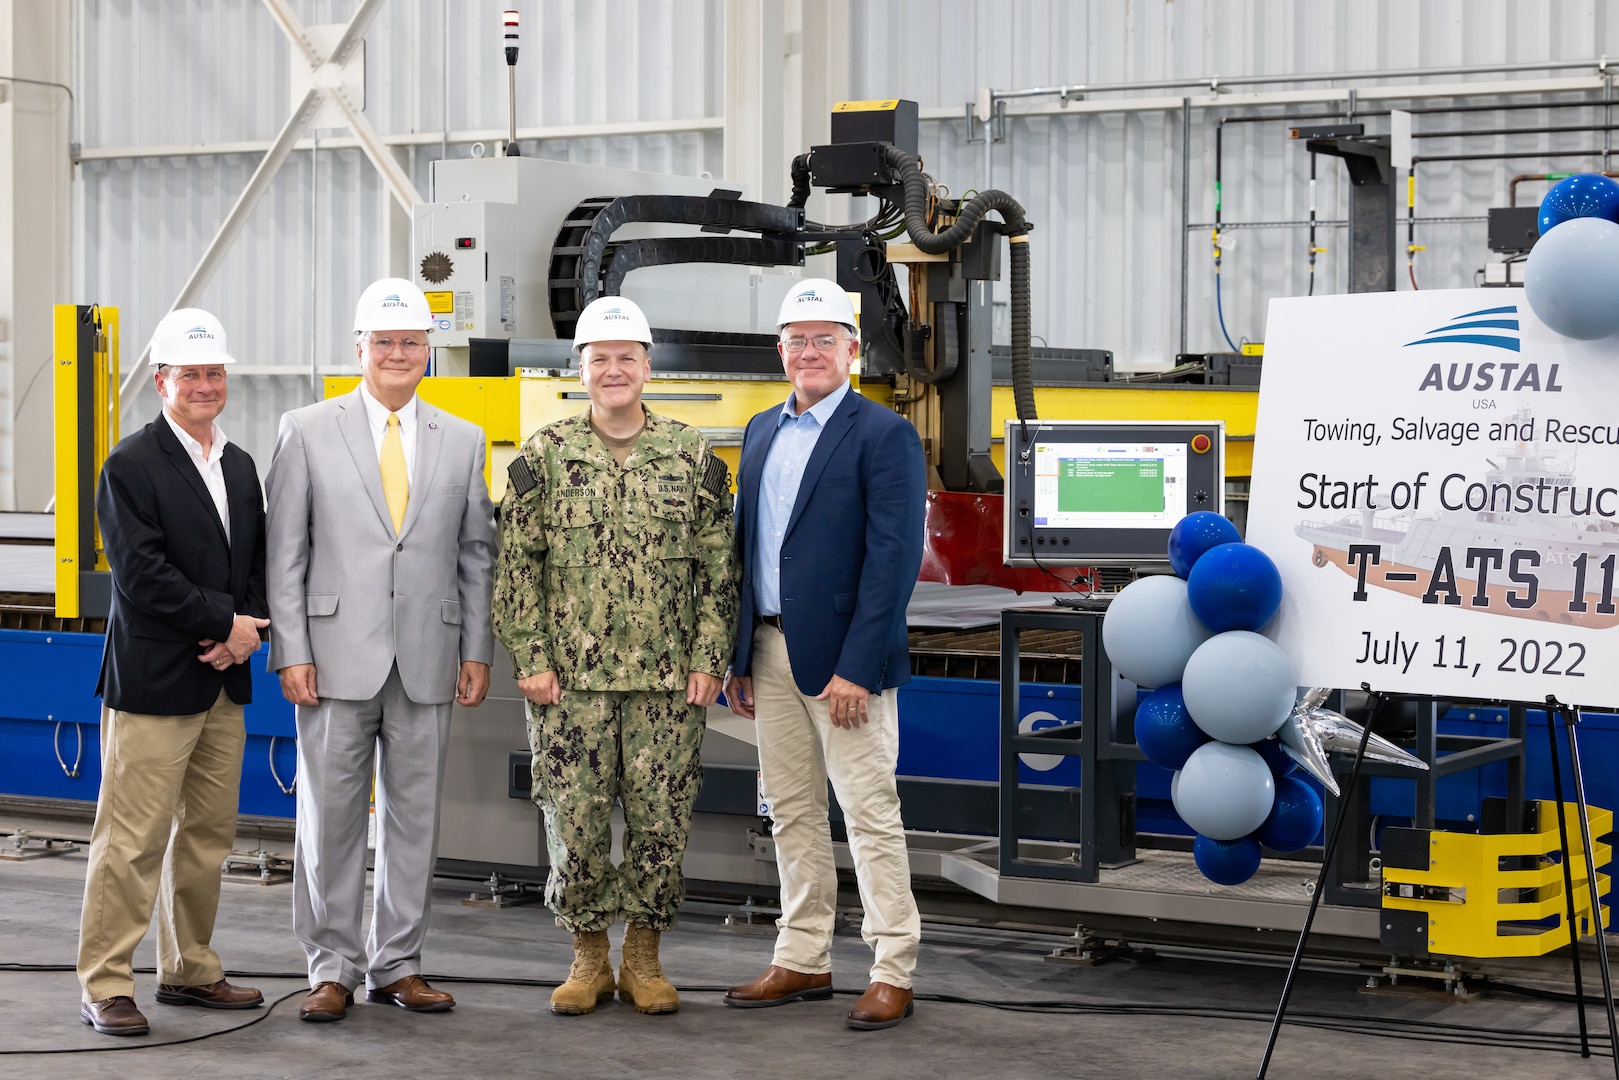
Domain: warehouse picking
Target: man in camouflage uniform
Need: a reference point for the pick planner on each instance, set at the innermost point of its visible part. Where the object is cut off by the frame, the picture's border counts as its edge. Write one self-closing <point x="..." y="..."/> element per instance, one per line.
<point x="616" y="594"/>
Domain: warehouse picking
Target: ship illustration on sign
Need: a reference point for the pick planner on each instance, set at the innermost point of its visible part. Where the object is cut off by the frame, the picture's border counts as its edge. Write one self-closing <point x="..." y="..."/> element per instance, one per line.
<point x="1573" y="580"/>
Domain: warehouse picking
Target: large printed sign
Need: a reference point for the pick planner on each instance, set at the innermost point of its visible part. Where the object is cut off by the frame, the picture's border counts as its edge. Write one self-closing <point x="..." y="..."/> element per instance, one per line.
<point x="1436" y="475"/>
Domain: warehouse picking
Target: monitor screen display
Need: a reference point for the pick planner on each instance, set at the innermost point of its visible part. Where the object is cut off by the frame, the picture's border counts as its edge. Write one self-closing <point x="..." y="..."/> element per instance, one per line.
<point x="1106" y="492"/>
<point x="1109" y="485"/>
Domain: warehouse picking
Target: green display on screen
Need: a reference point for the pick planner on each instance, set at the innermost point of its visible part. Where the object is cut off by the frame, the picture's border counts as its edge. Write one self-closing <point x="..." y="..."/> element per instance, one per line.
<point x="1103" y="485"/>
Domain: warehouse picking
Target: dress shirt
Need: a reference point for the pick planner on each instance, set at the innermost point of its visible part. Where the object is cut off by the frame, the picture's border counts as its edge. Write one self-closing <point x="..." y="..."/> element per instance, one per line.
<point x="376" y="417"/>
<point x="790" y="450"/>
<point x="208" y="466"/>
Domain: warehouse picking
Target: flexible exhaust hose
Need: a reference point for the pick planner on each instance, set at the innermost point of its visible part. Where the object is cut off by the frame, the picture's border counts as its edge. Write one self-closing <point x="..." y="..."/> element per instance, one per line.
<point x="972" y="212"/>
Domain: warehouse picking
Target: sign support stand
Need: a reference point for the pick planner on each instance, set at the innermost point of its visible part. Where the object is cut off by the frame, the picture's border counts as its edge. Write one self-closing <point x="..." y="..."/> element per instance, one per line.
<point x="1380" y="702"/>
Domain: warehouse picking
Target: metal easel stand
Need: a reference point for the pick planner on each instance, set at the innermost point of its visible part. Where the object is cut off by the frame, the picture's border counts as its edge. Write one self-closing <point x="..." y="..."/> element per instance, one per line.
<point x="1571" y="720"/>
<point x="1380" y="701"/>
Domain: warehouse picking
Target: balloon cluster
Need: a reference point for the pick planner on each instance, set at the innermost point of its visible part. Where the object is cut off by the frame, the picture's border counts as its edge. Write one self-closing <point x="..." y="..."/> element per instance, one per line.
<point x="1222" y="691"/>
<point x="1572" y="276"/>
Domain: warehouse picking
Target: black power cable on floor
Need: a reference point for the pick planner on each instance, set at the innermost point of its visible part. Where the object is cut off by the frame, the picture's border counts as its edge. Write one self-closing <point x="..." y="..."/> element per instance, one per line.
<point x="1431" y="1031"/>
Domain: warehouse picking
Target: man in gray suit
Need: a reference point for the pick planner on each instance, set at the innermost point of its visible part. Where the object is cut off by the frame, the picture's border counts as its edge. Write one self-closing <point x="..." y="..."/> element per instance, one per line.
<point x="380" y="549"/>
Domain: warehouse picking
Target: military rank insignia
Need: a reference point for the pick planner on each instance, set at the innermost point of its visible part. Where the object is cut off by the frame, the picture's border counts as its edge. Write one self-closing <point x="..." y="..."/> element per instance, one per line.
<point x="521" y="476"/>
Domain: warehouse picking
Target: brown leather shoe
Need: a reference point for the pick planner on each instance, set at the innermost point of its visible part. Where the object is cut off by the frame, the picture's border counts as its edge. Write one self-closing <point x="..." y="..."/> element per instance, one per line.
<point x="328" y="1001"/>
<point x="413" y="993"/>
<point x="215" y="995"/>
<point x="114" y="1016"/>
<point x="881" y="1006"/>
<point x="778" y="986"/>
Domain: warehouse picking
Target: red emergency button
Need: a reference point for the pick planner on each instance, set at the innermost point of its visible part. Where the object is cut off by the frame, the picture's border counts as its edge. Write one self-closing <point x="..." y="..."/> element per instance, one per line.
<point x="1201" y="444"/>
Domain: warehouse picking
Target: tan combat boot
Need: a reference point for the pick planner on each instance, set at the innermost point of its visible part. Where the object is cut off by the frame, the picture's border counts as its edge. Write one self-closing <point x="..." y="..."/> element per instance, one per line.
<point x="640" y="978"/>
<point x="590" y="980"/>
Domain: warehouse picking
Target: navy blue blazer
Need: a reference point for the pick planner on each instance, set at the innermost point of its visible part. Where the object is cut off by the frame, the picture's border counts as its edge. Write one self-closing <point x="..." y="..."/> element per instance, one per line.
<point x="175" y="579"/>
<point x="851" y="552"/>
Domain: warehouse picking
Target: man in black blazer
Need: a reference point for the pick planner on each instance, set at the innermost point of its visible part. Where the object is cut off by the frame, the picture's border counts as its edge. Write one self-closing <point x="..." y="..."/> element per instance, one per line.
<point x="182" y="520"/>
<point x="831" y="495"/>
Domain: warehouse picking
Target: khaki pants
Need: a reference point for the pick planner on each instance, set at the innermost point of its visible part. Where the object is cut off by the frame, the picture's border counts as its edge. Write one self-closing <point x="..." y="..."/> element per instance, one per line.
<point x="169" y="787"/>
<point x="799" y="750"/>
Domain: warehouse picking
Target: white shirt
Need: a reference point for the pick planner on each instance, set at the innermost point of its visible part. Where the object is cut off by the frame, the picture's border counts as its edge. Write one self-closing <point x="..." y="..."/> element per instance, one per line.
<point x="209" y="468"/>
<point x="376" y="415"/>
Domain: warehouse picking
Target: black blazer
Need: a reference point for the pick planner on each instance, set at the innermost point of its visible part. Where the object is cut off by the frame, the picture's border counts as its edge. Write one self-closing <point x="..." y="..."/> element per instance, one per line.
<point x="175" y="579"/>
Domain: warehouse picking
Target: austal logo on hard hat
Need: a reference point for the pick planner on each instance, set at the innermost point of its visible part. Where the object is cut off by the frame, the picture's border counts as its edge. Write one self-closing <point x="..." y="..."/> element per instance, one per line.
<point x="807" y="295"/>
<point x="199" y="332"/>
<point x="392" y="300"/>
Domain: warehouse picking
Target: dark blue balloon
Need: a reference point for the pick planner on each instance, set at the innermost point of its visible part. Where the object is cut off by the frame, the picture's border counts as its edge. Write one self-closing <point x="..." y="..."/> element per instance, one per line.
<point x="1196" y="533"/>
<point x="1580" y="195"/>
<point x="1226" y="862"/>
<point x="1165" y="731"/>
<point x="1295" y="818"/>
<point x="1234" y="587"/>
<point x="1277" y="758"/>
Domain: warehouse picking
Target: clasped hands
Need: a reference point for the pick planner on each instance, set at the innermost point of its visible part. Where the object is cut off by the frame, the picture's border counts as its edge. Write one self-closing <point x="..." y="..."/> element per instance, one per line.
<point x="235" y="649"/>
<point x="544" y="689"/>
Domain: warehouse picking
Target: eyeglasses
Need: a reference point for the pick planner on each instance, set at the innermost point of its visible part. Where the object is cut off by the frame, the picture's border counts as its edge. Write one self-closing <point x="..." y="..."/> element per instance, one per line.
<point x="382" y="346"/>
<point x="822" y="343"/>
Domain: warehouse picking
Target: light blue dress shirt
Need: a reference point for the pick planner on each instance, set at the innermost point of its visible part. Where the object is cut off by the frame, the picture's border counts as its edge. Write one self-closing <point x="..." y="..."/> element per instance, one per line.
<point x="789" y="452"/>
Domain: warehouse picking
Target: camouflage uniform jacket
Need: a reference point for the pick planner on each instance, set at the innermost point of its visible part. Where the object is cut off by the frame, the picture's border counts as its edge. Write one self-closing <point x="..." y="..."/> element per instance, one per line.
<point x="617" y="578"/>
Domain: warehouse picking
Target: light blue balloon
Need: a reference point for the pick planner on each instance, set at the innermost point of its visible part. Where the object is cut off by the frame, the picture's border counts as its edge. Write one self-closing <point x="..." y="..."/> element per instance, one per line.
<point x="1572" y="278"/>
<point x="1239" y="687"/>
<point x="1149" y="631"/>
<point x="1225" y="792"/>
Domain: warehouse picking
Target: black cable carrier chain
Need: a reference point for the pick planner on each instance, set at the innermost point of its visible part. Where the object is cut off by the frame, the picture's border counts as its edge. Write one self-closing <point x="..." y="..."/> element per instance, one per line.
<point x="586" y="264"/>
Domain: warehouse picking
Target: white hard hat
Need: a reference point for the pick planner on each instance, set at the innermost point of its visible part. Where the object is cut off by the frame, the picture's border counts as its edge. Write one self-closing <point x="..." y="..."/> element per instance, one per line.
<point x="611" y="318"/>
<point x="189" y="336"/>
<point x="392" y="304"/>
<point x="816" y="300"/>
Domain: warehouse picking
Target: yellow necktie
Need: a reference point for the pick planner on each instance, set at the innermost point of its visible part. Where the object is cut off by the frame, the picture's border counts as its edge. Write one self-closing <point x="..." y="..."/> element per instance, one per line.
<point x="395" y="478"/>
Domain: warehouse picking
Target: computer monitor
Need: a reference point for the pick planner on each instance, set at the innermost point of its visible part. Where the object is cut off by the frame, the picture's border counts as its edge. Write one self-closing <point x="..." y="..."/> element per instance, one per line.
<point x="1106" y="493"/>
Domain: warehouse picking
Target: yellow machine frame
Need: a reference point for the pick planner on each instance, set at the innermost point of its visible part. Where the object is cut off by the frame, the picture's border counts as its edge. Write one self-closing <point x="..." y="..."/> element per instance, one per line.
<point x="1469" y="900"/>
<point x="86" y="380"/>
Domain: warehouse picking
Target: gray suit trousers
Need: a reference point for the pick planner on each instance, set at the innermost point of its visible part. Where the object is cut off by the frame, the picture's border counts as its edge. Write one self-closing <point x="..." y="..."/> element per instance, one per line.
<point x="338" y="742"/>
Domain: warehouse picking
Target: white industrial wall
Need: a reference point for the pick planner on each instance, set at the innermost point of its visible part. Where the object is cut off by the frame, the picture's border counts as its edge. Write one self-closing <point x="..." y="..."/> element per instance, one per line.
<point x="1103" y="189"/>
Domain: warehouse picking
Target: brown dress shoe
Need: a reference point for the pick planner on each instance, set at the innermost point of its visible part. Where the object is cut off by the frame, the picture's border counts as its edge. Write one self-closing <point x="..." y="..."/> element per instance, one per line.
<point x="328" y="1001"/>
<point x="778" y="986"/>
<point x="413" y="993"/>
<point x="881" y="1006"/>
<point x="114" y="1016"/>
<point x="215" y="995"/>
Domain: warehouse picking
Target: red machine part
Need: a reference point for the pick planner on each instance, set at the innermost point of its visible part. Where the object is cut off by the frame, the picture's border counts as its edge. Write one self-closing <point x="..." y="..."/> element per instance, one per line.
<point x="963" y="546"/>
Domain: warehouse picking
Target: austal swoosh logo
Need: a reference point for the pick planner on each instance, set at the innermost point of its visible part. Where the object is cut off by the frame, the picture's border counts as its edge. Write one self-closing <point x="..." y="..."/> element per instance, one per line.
<point x="1468" y="329"/>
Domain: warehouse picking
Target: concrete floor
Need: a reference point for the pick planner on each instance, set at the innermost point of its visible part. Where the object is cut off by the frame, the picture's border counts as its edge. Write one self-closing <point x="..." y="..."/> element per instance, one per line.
<point x="507" y="1031"/>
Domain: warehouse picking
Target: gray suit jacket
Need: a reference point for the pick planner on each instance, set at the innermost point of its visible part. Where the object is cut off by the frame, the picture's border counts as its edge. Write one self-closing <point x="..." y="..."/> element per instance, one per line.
<point x="347" y="594"/>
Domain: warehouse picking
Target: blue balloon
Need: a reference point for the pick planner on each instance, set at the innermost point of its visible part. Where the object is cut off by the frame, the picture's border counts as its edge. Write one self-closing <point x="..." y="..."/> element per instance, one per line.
<point x="1150" y="632"/>
<point x="1165" y="730"/>
<point x="1196" y="533"/>
<point x="1295" y="819"/>
<point x="1583" y="195"/>
<point x="1278" y="759"/>
<point x="1235" y="587"/>
<point x="1239" y="686"/>
<point x="1572" y="278"/>
<point x="1224" y="791"/>
<point x="1226" y="862"/>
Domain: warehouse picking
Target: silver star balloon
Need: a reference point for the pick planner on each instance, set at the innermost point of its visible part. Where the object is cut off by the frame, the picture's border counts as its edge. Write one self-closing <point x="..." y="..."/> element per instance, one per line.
<point x="1310" y="733"/>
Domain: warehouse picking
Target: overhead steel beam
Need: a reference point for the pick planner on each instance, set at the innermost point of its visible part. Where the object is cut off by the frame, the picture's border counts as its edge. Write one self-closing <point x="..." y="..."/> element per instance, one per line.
<point x="326" y="76"/>
<point x="326" y="72"/>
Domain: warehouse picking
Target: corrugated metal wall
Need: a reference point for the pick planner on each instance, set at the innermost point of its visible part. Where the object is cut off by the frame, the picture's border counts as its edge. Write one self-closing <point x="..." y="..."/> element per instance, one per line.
<point x="1103" y="189"/>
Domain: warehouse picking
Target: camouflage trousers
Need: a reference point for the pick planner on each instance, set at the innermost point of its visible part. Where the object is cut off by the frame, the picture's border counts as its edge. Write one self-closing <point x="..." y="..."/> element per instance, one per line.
<point x="637" y="748"/>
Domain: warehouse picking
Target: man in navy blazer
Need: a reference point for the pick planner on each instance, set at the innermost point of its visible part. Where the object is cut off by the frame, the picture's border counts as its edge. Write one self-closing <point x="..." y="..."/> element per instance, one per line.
<point x="829" y="519"/>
